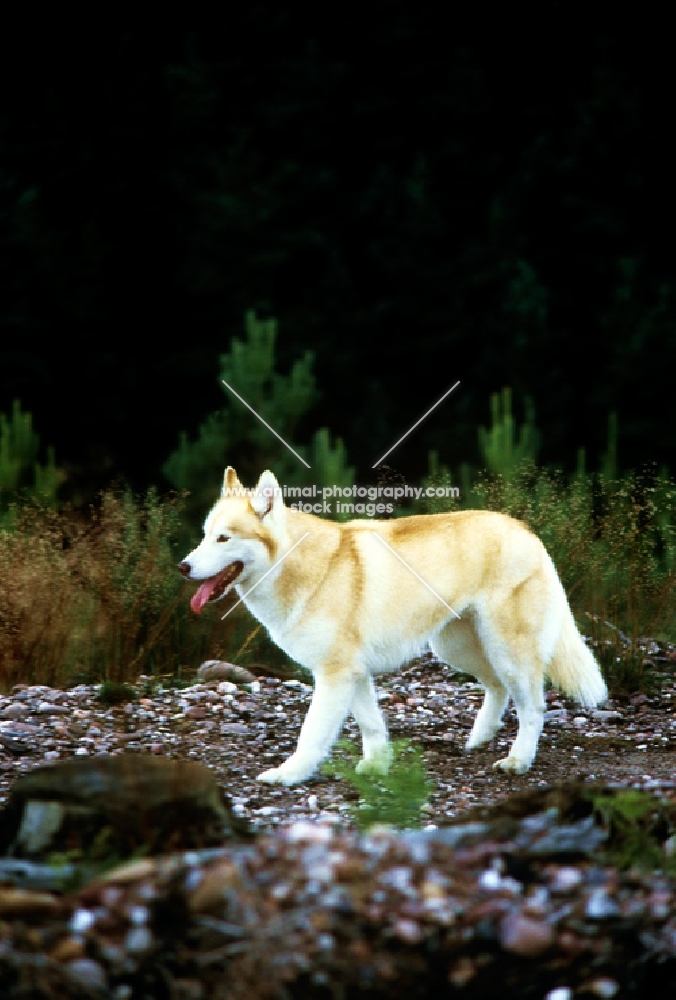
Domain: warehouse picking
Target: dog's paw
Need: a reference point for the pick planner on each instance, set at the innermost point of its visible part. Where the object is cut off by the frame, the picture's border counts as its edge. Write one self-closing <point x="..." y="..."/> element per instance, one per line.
<point x="282" y="776"/>
<point x="478" y="740"/>
<point x="377" y="763"/>
<point x="513" y="765"/>
<point x="481" y="734"/>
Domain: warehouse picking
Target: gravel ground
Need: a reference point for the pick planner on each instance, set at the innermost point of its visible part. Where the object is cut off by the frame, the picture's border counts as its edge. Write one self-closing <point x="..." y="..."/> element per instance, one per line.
<point x="314" y="910"/>
<point x="238" y="730"/>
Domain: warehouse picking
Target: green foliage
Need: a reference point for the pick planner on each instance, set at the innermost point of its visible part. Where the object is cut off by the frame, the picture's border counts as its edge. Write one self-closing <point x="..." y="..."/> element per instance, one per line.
<point x="527" y="297"/>
<point x="329" y="464"/>
<point x="638" y="826"/>
<point x="440" y="476"/>
<point x="611" y="541"/>
<point x="116" y="693"/>
<point x="625" y="664"/>
<point x="103" y="853"/>
<point x="20" y="469"/>
<point x="395" y="798"/>
<point x="503" y="449"/>
<point x="235" y="436"/>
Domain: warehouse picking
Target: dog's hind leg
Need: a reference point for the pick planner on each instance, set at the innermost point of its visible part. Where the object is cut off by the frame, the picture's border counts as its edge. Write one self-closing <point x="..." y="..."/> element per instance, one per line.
<point x="511" y="642"/>
<point x="459" y="645"/>
<point x="526" y="691"/>
<point x="331" y="701"/>
<point x="377" y="753"/>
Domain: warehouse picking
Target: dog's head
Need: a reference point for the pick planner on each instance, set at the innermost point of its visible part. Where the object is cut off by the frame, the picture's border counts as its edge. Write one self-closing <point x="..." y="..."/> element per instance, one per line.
<point x="242" y="535"/>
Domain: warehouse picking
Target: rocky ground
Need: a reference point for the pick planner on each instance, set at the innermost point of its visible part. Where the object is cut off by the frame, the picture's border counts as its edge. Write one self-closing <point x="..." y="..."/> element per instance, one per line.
<point x="240" y="729"/>
<point x="518" y="892"/>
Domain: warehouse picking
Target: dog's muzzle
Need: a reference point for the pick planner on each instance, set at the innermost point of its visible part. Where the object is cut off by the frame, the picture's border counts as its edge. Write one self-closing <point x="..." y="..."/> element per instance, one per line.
<point x="213" y="588"/>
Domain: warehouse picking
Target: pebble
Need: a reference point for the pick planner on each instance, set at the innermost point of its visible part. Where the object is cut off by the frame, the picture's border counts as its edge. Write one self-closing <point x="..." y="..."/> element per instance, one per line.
<point x="214" y="669"/>
<point x="48" y="708"/>
<point x="490" y="879"/>
<point x="138" y="940"/>
<point x="525" y="935"/>
<point x="15" y="710"/>
<point x="565" y="879"/>
<point x="408" y="931"/>
<point x="195" y="712"/>
<point x="604" y="988"/>
<point x="88" y="973"/>
<point x="599" y="906"/>
<point x="81" y="921"/>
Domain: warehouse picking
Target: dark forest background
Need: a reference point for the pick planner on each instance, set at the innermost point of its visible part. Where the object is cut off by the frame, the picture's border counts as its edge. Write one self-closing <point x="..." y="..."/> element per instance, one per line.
<point x="486" y="197"/>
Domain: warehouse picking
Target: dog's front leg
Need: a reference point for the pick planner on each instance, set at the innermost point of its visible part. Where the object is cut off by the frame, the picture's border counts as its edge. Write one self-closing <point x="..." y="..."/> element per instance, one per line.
<point x="331" y="700"/>
<point x="376" y="750"/>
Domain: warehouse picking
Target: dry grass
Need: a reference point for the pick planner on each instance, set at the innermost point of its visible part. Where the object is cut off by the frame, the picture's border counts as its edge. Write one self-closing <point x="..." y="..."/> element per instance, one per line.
<point x="98" y="597"/>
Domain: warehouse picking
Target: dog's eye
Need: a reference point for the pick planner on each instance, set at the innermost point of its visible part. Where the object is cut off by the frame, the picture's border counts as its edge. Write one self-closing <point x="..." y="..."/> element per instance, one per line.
<point x="223" y="538"/>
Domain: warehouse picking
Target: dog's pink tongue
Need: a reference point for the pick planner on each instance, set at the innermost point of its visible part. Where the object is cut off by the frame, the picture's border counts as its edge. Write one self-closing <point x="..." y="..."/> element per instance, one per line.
<point x="202" y="594"/>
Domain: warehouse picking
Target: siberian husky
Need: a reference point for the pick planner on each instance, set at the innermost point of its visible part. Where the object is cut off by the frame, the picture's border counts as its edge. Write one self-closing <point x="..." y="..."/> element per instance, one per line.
<point x="349" y="600"/>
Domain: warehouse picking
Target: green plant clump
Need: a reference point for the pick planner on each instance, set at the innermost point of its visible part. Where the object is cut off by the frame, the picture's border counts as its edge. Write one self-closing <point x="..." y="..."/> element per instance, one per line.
<point x="638" y="827"/>
<point x="396" y="798"/>
<point x="503" y="451"/>
<point x="20" y="471"/>
<point x="116" y="693"/>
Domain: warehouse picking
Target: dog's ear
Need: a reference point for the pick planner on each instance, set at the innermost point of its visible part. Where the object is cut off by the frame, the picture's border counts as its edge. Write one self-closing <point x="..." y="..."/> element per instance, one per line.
<point x="267" y="495"/>
<point x="230" y="481"/>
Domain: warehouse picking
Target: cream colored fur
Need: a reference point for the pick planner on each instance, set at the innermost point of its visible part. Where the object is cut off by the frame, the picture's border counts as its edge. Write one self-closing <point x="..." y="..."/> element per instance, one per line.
<point x="344" y="606"/>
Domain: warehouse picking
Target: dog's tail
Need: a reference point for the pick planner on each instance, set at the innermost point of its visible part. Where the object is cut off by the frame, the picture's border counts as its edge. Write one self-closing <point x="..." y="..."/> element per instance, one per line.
<point x="573" y="668"/>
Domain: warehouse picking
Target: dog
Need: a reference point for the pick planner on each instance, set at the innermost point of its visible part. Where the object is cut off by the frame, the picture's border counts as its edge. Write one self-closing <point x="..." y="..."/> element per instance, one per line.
<point x="348" y="600"/>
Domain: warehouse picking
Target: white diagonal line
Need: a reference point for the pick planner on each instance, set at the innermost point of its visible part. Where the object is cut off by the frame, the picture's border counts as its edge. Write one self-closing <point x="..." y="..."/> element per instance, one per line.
<point x="285" y="443"/>
<point x="447" y="393"/>
<point x="424" y="582"/>
<point x="265" y="574"/>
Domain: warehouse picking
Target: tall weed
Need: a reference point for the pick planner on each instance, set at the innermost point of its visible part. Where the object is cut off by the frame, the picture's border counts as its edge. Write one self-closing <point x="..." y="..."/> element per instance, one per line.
<point x="98" y="597"/>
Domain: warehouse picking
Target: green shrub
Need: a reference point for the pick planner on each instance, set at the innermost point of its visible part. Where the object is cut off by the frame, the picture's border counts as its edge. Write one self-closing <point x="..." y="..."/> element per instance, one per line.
<point x="503" y="450"/>
<point x="20" y="470"/>
<point x="235" y="436"/>
<point x="396" y="798"/>
<point x="116" y="693"/>
<point x="638" y="825"/>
